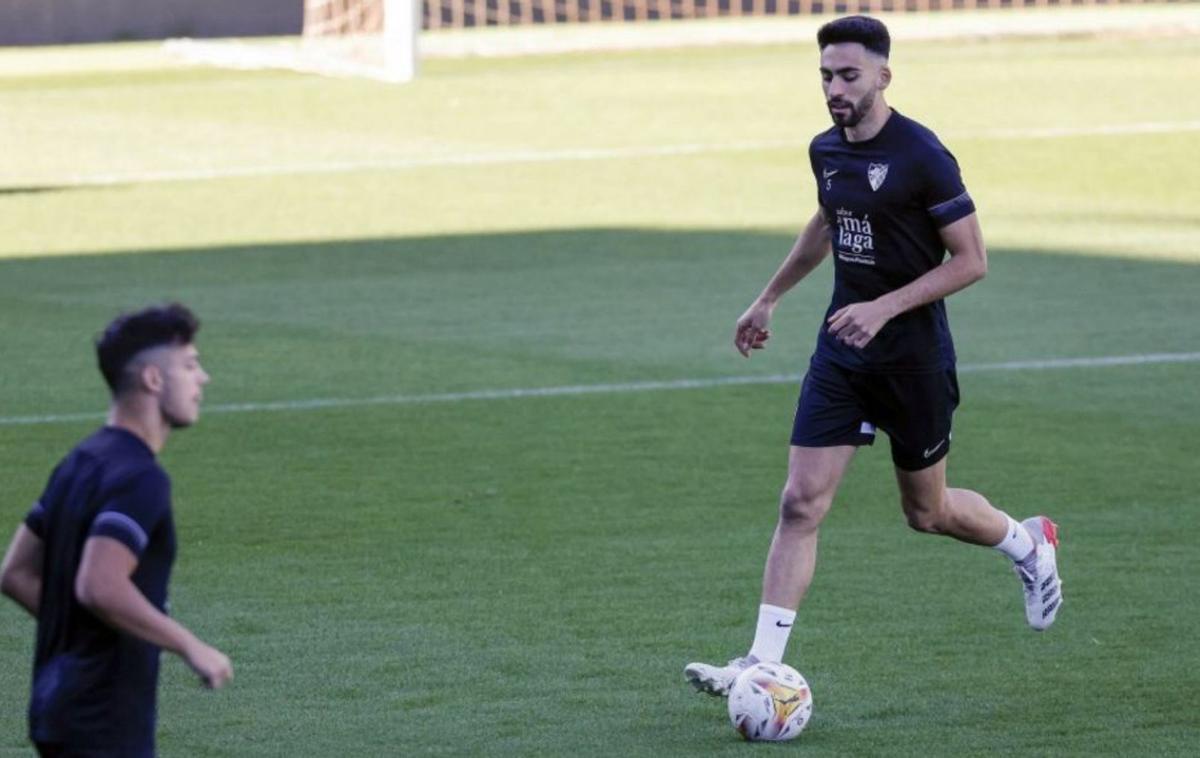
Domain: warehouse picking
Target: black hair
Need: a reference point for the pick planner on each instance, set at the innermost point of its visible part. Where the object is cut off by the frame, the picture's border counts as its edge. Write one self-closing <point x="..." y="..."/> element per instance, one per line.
<point x="868" y="32"/>
<point x="131" y="333"/>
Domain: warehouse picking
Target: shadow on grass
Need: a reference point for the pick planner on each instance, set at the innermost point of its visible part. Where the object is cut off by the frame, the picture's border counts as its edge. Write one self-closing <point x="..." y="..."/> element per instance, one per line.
<point x="529" y="309"/>
<point x="39" y="189"/>
<point x="1028" y="290"/>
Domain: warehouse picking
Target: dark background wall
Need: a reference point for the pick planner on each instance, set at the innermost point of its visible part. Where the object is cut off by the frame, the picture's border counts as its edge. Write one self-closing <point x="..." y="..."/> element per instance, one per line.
<point x="40" y="22"/>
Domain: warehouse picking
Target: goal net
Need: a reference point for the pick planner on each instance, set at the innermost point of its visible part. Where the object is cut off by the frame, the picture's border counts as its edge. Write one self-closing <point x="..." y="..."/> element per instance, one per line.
<point x="376" y="39"/>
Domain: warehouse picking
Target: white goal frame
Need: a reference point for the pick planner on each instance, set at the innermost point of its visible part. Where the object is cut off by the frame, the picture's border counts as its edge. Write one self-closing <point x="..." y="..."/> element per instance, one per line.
<point x="386" y="50"/>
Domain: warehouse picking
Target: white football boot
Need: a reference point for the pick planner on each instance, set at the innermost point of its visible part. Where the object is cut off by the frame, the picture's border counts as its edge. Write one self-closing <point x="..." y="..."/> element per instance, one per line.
<point x="716" y="680"/>
<point x="1043" y="588"/>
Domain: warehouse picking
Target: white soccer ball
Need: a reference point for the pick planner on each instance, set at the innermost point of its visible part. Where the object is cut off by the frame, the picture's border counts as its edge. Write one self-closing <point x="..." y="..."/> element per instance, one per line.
<point x="770" y="702"/>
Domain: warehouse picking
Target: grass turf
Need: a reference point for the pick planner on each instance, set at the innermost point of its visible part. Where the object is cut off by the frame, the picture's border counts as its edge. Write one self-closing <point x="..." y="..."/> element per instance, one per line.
<point x="528" y="576"/>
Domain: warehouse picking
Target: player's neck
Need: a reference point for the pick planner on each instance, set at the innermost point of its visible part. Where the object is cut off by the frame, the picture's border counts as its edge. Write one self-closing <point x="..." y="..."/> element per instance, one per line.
<point x="871" y="124"/>
<point x="142" y="421"/>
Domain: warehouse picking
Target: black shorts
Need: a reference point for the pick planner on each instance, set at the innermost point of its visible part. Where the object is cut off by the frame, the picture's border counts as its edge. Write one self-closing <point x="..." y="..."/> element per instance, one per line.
<point x="843" y="407"/>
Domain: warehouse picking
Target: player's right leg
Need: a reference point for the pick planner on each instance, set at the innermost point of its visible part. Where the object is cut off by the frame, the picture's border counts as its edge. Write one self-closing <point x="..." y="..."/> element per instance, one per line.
<point x="814" y="474"/>
<point x="829" y="424"/>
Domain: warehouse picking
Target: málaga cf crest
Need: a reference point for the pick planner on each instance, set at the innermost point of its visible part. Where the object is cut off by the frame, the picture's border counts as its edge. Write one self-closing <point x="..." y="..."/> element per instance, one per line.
<point x="876" y="173"/>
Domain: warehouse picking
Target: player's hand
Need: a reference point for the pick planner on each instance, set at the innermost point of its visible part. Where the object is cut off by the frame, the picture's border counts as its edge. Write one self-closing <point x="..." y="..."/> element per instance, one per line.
<point x="752" y="332"/>
<point x="211" y="665"/>
<point x="858" y="323"/>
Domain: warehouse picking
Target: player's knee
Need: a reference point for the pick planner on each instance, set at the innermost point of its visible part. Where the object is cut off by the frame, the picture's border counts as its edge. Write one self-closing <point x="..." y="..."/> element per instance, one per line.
<point x="925" y="517"/>
<point x="801" y="507"/>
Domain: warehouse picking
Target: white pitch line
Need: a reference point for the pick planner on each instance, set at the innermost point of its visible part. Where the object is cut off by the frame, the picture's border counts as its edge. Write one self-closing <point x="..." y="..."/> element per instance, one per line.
<point x="404" y="164"/>
<point x="513" y="157"/>
<point x="617" y="388"/>
<point x="1099" y="130"/>
<point x="1093" y="362"/>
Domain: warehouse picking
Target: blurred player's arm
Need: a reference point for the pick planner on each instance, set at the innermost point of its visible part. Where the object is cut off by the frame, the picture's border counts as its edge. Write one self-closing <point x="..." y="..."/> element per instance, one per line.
<point x="21" y="571"/>
<point x="810" y="249"/>
<point x="104" y="587"/>
<point x="858" y="323"/>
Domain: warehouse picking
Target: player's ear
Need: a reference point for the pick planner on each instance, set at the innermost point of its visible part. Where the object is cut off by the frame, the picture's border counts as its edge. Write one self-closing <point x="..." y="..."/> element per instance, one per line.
<point x="150" y="377"/>
<point x="885" y="77"/>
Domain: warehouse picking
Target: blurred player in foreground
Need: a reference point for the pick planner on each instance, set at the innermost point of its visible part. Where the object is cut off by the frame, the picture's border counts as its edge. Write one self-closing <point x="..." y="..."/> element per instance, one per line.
<point x="92" y="560"/>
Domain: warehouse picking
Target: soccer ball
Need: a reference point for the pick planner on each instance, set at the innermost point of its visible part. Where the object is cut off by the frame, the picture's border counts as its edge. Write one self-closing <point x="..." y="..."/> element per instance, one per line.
<point x="770" y="702"/>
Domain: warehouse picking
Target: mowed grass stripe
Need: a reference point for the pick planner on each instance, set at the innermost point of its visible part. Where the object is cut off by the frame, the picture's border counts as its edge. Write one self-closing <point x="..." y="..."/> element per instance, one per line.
<point x="517" y="393"/>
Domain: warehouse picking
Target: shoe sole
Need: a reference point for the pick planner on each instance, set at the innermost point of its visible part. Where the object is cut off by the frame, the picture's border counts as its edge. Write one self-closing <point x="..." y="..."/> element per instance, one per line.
<point x="707" y="685"/>
<point x="1050" y="532"/>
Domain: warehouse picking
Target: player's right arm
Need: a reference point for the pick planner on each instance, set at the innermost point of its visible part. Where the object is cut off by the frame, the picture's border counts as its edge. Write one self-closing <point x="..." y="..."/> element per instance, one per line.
<point x="811" y="247"/>
<point x="104" y="586"/>
<point x="21" y="571"/>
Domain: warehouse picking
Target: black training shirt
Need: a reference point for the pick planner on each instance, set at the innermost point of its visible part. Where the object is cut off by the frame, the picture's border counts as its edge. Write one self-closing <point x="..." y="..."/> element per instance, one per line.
<point x="94" y="686"/>
<point x="885" y="200"/>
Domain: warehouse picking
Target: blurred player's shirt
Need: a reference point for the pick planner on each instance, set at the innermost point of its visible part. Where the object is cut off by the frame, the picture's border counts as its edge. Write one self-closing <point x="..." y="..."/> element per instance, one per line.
<point x="93" y="686"/>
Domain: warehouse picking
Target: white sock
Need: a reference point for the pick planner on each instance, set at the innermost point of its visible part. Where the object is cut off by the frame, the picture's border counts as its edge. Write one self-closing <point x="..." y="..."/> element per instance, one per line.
<point x="771" y="636"/>
<point x="1017" y="543"/>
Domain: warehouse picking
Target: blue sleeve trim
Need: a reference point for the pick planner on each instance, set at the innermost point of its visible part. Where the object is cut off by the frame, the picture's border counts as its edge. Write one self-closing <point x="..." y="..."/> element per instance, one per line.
<point x="121" y="528"/>
<point x="953" y="209"/>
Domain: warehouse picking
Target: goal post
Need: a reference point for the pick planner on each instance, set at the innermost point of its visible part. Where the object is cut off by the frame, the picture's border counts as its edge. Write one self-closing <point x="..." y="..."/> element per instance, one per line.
<point x="373" y="37"/>
<point x="401" y="27"/>
<point x="378" y="39"/>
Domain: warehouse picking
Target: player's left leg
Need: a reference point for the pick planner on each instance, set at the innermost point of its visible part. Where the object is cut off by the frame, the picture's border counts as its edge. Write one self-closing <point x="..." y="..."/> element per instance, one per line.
<point x="932" y="507"/>
<point x="916" y="411"/>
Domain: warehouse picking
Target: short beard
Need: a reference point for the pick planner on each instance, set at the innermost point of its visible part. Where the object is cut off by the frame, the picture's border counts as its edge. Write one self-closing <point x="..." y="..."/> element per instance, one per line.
<point x="174" y="422"/>
<point x="857" y="111"/>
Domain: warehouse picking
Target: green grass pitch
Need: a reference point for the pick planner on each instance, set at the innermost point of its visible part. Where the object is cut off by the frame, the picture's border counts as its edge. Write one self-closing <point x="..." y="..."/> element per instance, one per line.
<point x="528" y="576"/>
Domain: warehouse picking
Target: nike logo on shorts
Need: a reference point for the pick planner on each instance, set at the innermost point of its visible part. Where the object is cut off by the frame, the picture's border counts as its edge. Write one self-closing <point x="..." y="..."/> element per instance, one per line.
<point x="934" y="449"/>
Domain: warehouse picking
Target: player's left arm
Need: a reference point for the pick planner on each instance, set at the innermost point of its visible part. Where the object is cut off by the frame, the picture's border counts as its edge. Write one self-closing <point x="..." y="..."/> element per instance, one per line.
<point x="21" y="571"/>
<point x="858" y="323"/>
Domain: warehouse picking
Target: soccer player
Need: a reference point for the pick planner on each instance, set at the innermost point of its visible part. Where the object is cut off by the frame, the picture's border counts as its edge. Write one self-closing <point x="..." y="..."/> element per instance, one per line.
<point x="892" y="204"/>
<point x="92" y="560"/>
